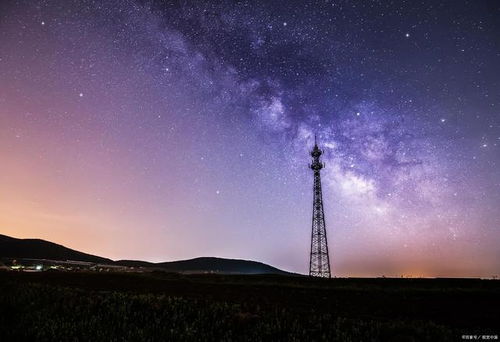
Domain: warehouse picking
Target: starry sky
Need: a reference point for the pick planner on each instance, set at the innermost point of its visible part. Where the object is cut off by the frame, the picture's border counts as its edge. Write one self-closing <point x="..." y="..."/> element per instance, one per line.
<point x="165" y="130"/>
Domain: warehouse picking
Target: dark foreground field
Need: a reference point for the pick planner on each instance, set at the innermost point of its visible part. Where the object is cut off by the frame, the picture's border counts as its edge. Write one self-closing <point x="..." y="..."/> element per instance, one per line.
<point x="172" y="307"/>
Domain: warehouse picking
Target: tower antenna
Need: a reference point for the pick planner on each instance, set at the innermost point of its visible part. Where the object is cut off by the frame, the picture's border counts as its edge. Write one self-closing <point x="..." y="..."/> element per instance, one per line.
<point x="319" y="260"/>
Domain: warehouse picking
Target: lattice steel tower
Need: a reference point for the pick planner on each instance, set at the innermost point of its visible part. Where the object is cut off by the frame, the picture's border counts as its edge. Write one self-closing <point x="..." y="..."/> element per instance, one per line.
<point x="319" y="262"/>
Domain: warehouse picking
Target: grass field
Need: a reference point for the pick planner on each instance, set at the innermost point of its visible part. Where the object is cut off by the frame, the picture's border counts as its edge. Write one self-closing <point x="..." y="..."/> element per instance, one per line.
<point x="54" y="306"/>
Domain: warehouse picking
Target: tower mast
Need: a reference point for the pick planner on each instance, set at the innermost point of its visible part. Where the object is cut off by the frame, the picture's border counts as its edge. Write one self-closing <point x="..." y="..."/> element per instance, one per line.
<point x="319" y="262"/>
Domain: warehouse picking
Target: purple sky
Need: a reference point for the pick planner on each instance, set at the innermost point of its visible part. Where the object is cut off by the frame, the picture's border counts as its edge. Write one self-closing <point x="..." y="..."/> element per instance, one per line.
<point x="145" y="130"/>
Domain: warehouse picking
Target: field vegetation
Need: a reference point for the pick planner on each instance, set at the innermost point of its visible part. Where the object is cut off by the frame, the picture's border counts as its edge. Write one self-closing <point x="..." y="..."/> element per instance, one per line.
<point x="63" y="306"/>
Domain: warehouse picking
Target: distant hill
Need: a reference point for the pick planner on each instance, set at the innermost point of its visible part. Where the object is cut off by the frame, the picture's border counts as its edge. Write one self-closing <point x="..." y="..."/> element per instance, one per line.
<point x="209" y="264"/>
<point x="40" y="249"/>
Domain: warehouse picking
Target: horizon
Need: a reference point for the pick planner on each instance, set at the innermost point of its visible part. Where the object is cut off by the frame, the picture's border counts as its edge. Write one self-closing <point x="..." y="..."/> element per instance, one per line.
<point x="406" y="276"/>
<point x="394" y="276"/>
<point x="154" y="131"/>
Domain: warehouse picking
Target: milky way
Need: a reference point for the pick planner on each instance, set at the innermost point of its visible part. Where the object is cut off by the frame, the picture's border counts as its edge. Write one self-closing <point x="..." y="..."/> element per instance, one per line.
<point x="166" y="130"/>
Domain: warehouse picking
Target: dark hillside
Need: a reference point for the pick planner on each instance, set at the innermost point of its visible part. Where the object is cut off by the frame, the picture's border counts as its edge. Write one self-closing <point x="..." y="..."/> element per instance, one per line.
<point x="40" y="249"/>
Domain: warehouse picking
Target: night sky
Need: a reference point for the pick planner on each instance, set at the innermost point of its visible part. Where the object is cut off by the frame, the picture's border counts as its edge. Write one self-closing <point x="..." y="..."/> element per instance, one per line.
<point x="170" y="130"/>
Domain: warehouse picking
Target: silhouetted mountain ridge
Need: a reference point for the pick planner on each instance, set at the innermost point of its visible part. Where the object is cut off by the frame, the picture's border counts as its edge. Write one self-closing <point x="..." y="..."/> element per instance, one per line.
<point x="208" y="264"/>
<point x="40" y="249"/>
